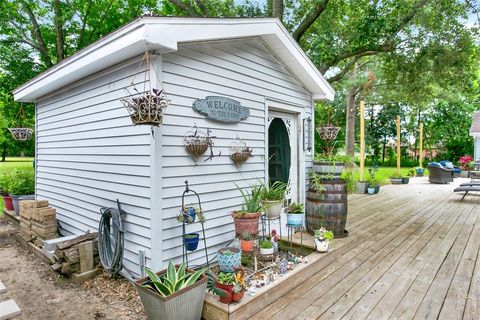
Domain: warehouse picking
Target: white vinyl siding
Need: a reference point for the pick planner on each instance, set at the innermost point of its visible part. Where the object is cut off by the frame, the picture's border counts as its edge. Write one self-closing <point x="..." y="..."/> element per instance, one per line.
<point x="244" y="70"/>
<point x="89" y="154"/>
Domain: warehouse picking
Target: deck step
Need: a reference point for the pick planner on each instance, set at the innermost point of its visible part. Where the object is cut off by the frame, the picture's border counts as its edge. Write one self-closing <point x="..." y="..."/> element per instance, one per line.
<point x="9" y="309"/>
<point x="2" y="287"/>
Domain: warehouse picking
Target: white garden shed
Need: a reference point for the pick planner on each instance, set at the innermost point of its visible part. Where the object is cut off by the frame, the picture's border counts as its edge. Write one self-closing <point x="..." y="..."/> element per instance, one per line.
<point x="88" y="153"/>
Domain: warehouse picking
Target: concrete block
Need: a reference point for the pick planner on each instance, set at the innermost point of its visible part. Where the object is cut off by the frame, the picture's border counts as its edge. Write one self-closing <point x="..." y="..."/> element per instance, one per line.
<point x="51" y="245"/>
<point x="2" y="287"/>
<point x="9" y="309"/>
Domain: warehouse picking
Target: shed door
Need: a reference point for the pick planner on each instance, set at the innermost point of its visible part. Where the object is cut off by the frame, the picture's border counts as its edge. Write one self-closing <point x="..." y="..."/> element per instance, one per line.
<point x="283" y="151"/>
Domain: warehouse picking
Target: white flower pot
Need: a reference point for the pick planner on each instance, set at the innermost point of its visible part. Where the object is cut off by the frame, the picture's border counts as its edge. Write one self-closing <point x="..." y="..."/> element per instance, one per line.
<point x="273" y="208"/>
<point x="322" y="245"/>
<point x="266" y="252"/>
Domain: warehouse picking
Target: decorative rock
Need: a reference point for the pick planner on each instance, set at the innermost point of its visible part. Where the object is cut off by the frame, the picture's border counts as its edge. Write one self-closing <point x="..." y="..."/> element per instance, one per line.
<point x="9" y="309"/>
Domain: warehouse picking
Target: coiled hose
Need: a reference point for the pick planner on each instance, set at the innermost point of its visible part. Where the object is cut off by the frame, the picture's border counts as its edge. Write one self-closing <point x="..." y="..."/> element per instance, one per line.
<point x="110" y="239"/>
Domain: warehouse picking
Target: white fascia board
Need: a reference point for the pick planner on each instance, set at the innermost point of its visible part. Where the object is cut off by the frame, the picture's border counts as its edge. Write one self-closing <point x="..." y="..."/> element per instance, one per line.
<point x="163" y="35"/>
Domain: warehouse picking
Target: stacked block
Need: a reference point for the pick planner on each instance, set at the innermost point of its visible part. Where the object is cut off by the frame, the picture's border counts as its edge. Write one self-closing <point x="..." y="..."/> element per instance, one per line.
<point x="37" y="220"/>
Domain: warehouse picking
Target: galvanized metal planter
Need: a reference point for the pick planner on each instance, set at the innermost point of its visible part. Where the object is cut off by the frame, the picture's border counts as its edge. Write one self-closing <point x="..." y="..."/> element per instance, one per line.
<point x="186" y="304"/>
<point x="329" y="168"/>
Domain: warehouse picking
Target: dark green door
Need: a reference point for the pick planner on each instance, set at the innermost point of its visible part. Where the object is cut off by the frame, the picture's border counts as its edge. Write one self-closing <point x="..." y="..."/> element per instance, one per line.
<point x="278" y="151"/>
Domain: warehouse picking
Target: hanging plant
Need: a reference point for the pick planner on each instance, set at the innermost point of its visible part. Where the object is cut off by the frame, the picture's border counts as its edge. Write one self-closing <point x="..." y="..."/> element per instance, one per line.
<point x="239" y="151"/>
<point x="328" y="131"/>
<point x="145" y="107"/>
<point x="21" y="133"/>
<point x="196" y="143"/>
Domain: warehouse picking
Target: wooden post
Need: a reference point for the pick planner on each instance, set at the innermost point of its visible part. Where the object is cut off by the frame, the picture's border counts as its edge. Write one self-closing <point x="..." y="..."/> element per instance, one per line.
<point x="362" y="140"/>
<point x="420" y="164"/>
<point x="398" y="144"/>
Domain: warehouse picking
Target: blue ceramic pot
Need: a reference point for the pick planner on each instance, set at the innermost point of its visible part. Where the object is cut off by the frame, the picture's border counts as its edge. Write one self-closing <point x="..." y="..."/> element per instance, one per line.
<point x="229" y="259"/>
<point x="189" y="215"/>
<point x="191" y="242"/>
<point x="294" y="219"/>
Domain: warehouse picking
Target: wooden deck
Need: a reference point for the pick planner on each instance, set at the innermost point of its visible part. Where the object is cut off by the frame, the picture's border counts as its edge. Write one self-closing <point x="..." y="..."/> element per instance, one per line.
<point x="411" y="254"/>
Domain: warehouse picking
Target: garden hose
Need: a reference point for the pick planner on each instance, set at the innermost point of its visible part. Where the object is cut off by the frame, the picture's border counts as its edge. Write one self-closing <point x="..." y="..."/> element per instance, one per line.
<point x="110" y="239"/>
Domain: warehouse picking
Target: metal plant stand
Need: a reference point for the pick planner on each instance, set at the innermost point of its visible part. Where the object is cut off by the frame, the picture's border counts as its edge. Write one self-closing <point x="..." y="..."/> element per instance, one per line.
<point x="184" y="245"/>
<point x="291" y="229"/>
<point x="266" y="230"/>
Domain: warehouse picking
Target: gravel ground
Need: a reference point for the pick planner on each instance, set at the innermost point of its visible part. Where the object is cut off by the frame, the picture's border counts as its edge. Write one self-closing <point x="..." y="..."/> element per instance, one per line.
<point x="42" y="293"/>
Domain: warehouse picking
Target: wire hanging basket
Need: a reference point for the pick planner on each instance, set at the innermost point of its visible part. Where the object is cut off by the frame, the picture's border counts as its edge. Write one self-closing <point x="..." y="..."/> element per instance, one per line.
<point x="145" y="107"/>
<point x="21" y="133"/>
<point x="196" y="142"/>
<point x="239" y="151"/>
<point x="328" y="131"/>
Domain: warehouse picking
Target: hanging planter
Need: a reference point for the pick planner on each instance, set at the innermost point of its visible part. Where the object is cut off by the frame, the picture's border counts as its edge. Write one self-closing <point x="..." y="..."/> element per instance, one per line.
<point x="328" y="131"/>
<point x="196" y="143"/>
<point x="239" y="152"/>
<point x="21" y="133"/>
<point x="145" y="106"/>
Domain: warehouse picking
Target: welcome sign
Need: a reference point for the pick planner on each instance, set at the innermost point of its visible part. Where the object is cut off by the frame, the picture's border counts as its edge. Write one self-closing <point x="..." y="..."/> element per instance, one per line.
<point x="221" y="109"/>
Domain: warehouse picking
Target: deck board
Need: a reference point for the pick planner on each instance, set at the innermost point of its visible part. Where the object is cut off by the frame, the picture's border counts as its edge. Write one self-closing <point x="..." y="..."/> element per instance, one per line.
<point x="412" y="253"/>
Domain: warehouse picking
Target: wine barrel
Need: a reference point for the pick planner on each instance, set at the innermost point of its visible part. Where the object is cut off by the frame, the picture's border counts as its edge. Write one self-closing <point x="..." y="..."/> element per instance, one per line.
<point x="328" y="208"/>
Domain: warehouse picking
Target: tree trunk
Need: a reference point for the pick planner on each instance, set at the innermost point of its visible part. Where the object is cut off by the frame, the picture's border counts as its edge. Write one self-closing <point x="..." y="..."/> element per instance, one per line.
<point x="383" y="152"/>
<point x="4" y="151"/>
<point x="59" y="42"/>
<point x="277" y="9"/>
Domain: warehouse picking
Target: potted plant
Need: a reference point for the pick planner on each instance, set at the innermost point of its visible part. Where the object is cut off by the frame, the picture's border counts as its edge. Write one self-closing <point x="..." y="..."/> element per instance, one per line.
<point x="191" y="241"/>
<point x="322" y="239"/>
<point x="373" y="184"/>
<point x="5" y="183"/>
<point x="214" y="289"/>
<point x="229" y="259"/>
<point x="411" y="173"/>
<point x="331" y="164"/>
<point x="239" y="287"/>
<point x="295" y="213"/>
<point x="225" y="281"/>
<point x="246" y="220"/>
<point x="266" y="247"/>
<point x="174" y="293"/>
<point x="396" y="178"/>
<point x="272" y="198"/>
<point x="419" y="172"/>
<point x="465" y="164"/>
<point x="246" y="242"/>
<point x="22" y="186"/>
<point x="189" y="214"/>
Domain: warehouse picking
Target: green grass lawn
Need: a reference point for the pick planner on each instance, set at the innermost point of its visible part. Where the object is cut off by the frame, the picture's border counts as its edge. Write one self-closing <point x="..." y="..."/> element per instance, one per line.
<point x="11" y="164"/>
<point x="384" y="173"/>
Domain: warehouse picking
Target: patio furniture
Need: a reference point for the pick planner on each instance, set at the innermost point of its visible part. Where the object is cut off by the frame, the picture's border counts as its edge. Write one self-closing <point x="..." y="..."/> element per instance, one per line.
<point x="467" y="189"/>
<point x="449" y="165"/>
<point x="439" y="174"/>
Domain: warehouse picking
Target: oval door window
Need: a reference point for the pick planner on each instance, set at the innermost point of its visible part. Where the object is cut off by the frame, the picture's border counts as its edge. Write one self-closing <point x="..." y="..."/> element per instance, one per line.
<point x="278" y="151"/>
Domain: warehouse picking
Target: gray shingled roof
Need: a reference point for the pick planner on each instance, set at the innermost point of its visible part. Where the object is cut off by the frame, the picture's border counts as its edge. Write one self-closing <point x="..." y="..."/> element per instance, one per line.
<point x="475" y="128"/>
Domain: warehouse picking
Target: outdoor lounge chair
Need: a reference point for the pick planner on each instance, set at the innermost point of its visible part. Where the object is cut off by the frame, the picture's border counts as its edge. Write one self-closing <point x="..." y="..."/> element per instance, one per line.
<point x="439" y="174"/>
<point x="467" y="189"/>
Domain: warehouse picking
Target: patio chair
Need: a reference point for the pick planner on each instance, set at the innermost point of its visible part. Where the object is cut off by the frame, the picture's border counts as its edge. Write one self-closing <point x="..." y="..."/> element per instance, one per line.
<point x="467" y="189"/>
<point x="449" y="165"/>
<point x="439" y="174"/>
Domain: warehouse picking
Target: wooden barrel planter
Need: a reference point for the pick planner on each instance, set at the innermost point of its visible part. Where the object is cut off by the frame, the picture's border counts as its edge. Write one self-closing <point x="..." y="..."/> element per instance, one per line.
<point x="328" y="208"/>
<point x="329" y="167"/>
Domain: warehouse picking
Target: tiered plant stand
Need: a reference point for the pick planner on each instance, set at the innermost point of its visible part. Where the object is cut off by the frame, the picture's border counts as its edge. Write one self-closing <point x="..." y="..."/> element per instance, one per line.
<point x="266" y="228"/>
<point x="184" y="226"/>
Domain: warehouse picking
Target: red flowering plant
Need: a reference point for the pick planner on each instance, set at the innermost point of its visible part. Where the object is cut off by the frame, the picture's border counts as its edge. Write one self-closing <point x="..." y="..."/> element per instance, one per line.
<point x="465" y="161"/>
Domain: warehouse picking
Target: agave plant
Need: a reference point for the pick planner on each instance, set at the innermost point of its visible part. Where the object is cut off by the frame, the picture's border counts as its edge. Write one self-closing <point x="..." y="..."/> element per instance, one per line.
<point x="251" y="200"/>
<point x="175" y="279"/>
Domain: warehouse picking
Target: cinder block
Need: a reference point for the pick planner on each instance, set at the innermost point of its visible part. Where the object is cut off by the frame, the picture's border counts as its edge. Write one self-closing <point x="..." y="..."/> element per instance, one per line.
<point x="9" y="309"/>
<point x="51" y="245"/>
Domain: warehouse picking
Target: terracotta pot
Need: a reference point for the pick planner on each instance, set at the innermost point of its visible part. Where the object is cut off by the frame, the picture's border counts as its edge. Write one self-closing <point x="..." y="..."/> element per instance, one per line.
<point x="237" y="296"/>
<point x="228" y="289"/>
<point x="8" y="203"/>
<point x="246" y="245"/>
<point x="247" y="223"/>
